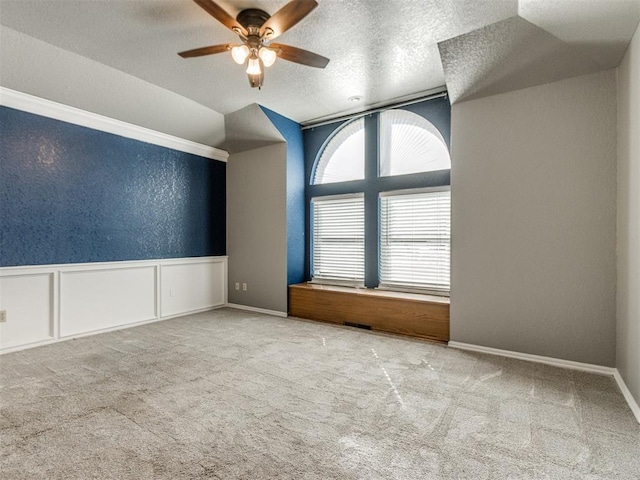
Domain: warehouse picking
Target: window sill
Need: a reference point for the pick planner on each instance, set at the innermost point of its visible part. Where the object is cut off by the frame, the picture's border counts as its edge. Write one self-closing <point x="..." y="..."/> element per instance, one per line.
<point x="376" y="292"/>
<point x="335" y="283"/>
<point x="415" y="291"/>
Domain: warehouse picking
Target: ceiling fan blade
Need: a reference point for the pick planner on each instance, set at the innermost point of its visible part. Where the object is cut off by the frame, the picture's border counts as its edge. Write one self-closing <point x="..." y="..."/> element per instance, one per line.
<point x="199" y="52"/>
<point x="298" y="55"/>
<point x="220" y="14"/>
<point x="287" y="17"/>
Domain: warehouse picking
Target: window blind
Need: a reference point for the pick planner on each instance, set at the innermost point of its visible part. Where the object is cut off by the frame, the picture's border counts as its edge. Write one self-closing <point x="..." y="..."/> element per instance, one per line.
<point x="338" y="239"/>
<point x="343" y="157"/>
<point x="415" y="240"/>
<point x="410" y="143"/>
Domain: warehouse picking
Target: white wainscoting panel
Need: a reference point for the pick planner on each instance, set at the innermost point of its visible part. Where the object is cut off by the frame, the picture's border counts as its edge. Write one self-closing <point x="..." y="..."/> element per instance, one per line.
<point x="192" y="286"/>
<point x="28" y="301"/>
<point x="48" y="303"/>
<point x="98" y="299"/>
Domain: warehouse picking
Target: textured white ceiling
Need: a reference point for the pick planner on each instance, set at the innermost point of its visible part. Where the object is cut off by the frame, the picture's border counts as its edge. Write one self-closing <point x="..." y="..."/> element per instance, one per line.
<point x="602" y="28"/>
<point x="549" y="40"/>
<point x="476" y="65"/>
<point x="379" y="49"/>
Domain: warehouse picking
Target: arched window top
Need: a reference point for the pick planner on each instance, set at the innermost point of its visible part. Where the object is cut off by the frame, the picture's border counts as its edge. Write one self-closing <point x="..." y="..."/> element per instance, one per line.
<point x="342" y="159"/>
<point x="410" y="144"/>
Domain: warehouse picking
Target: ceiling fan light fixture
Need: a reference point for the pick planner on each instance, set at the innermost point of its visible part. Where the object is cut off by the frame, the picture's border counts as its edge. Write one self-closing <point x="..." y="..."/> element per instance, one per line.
<point x="256" y="29"/>
<point x="239" y="53"/>
<point x="256" y="81"/>
<point x="253" y="66"/>
<point x="267" y="56"/>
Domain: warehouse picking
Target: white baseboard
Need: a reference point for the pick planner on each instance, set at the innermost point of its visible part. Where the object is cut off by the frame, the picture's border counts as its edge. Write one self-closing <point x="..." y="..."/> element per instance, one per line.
<point x="557" y="362"/>
<point x="275" y="313"/>
<point x="104" y="330"/>
<point x="27" y="346"/>
<point x="633" y="404"/>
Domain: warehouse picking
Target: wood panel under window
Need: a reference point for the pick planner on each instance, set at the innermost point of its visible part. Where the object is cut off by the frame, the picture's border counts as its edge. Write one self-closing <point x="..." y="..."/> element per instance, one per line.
<point x="416" y="315"/>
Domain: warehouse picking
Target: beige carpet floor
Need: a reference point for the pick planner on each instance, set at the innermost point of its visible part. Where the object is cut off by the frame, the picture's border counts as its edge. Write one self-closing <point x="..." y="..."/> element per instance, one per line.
<point x="235" y="395"/>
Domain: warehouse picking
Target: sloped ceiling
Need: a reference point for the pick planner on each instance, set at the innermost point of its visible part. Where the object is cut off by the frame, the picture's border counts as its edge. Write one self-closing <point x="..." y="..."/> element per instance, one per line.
<point x="380" y="50"/>
<point x="249" y="128"/>
<point x="508" y="55"/>
<point x="548" y="40"/>
<point x="40" y="69"/>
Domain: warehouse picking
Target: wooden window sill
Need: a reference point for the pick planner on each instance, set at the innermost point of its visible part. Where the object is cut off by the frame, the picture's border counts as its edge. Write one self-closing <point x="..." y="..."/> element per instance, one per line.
<point x="418" y="297"/>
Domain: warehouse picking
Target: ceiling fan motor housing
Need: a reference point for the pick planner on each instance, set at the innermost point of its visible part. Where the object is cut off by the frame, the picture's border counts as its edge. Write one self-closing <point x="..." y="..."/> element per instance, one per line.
<point x="252" y="17"/>
<point x="252" y="20"/>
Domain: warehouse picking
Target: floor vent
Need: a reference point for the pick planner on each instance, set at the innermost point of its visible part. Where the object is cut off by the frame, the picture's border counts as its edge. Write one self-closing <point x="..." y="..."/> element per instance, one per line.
<point x="357" y="325"/>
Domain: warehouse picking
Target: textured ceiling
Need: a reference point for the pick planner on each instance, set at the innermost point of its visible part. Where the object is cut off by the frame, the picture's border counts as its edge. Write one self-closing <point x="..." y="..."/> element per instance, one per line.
<point x="601" y="28"/>
<point x="379" y="49"/>
<point x="477" y="65"/>
<point x="538" y="46"/>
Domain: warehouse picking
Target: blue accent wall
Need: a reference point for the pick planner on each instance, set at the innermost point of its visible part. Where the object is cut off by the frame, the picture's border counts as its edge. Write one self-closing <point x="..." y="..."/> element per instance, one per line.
<point x="70" y="194"/>
<point x="292" y="133"/>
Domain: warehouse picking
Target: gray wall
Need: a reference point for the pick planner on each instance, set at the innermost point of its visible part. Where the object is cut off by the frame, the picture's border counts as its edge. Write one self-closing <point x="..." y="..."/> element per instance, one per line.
<point x="628" y="344"/>
<point x="533" y="186"/>
<point x="31" y="66"/>
<point x="257" y="227"/>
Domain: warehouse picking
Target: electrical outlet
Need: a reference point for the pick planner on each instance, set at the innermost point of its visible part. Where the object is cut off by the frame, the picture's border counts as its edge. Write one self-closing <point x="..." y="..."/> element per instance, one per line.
<point x="244" y="287"/>
<point x="237" y="285"/>
<point x="3" y="316"/>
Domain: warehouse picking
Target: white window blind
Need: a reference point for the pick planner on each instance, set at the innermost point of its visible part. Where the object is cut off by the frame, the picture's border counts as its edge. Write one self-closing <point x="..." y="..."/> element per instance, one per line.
<point x="343" y="157"/>
<point x="415" y="240"/>
<point x="410" y="144"/>
<point x="338" y="239"/>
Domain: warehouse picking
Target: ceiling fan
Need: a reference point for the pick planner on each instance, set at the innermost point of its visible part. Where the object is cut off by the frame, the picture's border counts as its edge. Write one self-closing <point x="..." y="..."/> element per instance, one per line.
<point x="256" y="29"/>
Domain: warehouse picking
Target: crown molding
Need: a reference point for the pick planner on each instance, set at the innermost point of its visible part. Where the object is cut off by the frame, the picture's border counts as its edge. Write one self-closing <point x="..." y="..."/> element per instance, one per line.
<point x="47" y="108"/>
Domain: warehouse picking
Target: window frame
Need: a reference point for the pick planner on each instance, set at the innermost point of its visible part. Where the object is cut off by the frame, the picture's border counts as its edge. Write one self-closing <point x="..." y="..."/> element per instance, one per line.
<point x="437" y="111"/>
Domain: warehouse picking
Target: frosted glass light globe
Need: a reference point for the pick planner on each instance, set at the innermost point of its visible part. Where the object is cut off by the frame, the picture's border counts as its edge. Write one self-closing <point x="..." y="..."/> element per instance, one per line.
<point x="267" y="56"/>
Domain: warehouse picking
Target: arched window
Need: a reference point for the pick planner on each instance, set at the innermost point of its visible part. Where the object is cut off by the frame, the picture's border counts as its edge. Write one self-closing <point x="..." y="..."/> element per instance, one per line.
<point x="402" y="241"/>
<point x="342" y="158"/>
<point x="410" y="143"/>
